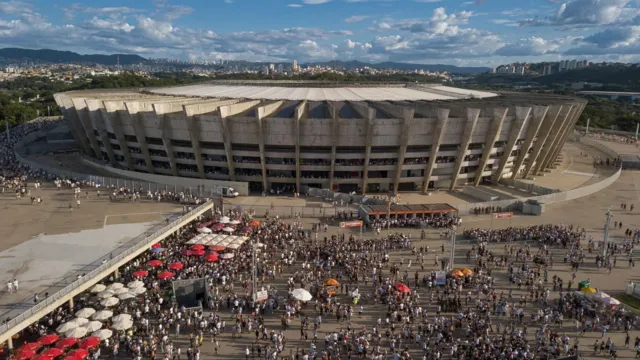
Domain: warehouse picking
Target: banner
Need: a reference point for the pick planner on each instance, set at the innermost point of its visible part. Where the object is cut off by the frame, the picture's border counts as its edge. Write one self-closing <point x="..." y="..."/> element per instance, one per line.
<point x="503" y="215"/>
<point x="441" y="278"/>
<point x="262" y="295"/>
<point x="350" y="224"/>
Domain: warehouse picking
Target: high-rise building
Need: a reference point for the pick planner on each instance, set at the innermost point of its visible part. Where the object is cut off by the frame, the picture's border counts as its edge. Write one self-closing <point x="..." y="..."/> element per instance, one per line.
<point x="520" y="70"/>
<point x="546" y="70"/>
<point x="294" y="66"/>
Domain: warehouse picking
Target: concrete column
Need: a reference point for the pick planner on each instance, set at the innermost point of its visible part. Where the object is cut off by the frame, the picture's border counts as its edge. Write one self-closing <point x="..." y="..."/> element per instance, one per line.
<point x="71" y="304"/>
<point x="522" y="113"/>
<point x="112" y="113"/>
<point x="369" y="115"/>
<point x="190" y="113"/>
<point x="81" y="109"/>
<point x="441" y="118"/>
<point x="472" y="120"/>
<point x="261" y="114"/>
<point x="225" y="112"/>
<point x="133" y="109"/>
<point x="545" y="130"/>
<point x="567" y="131"/>
<point x="167" y="135"/>
<point x="9" y="343"/>
<point x="335" y="135"/>
<point x="406" y="114"/>
<point x="300" y="115"/>
<point x="93" y="108"/>
<point x="554" y="138"/>
<point x="71" y="118"/>
<point x="499" y="114"/>
<point x="539" y="114"/>
<point x="116" y="274"/>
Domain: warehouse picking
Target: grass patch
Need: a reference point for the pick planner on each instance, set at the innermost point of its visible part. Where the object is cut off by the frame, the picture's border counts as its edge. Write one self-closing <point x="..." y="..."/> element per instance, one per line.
<point x="628" y="300"/>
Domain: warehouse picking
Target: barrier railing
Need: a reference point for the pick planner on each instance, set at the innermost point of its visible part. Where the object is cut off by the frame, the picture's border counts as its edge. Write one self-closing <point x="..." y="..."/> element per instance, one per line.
<point x="137" y="243"/>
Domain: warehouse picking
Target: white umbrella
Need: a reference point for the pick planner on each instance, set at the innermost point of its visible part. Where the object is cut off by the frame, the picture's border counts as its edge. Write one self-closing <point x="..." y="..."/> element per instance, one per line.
<point x="63" y="328"/>
<point x="301" y="294"/>
<point x="138" y="290"/>
<point x="122" y="325"/>
<point x="105" y="294"/>
<point x="224" y="220"/>
<point x="234" y="222"/>
<point x="228" y="229"/>
<point x="85" y="313"/>
<point x="103" y="334"/>
<point x="76" y="332"/>
<point x="81" y="321"/>
<point x="121" y="317"/>
<point x="115" y="286"/>
<point x="204" y="230"/>
<point x="611" y="301"/>
<point x="227" y="256"/>
<point x="135" y="284"/>
<point x="93" y="326"/>
<point x="126" y="296"/>
<point x="109" y="302"/>
<point x="102" y="315"/>
<point x="121" y="291"/>
<point x="98" y="288"/>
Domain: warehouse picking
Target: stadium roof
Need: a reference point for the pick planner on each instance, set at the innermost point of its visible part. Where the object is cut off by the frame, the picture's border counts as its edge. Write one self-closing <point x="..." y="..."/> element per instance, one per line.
<point x="344" y="93"/>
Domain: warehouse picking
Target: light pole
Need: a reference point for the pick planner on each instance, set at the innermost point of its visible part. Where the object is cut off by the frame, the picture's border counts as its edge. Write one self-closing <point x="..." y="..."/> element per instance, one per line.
<point x="254" y="282"/>
<point x="452" y="251"/>
<point x="607" y="225"/>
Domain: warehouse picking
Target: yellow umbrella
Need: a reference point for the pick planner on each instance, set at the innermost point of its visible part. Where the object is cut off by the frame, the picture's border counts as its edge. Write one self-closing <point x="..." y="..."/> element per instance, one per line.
<point x="332" y="282"/>
<point x="589" y="290"/>
<point x="467" y="271"/>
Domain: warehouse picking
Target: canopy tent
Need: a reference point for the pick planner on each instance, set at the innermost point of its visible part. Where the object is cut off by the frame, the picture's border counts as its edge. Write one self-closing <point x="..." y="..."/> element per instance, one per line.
<point x="228" y="241"/>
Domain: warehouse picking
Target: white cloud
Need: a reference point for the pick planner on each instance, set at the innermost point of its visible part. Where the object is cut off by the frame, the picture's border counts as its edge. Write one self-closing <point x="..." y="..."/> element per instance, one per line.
<point x="315" y="2"/>
<point x="586" y="13"/>
<point x="294" y="5"/>
<point x="427" y="1"/>
<point x="355" y="18"/>
<point x="532" y="46"/>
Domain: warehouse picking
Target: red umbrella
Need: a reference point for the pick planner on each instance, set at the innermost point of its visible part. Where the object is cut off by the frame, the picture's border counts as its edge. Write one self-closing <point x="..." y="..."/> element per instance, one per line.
<point x="217" y="248"/>
<point x="25" y="354"/>
<point x="42" y="357"/>
<point x="197" y="253"/>
<point x="78" y="354"/>
<point x="176" y="266"/>
<point x="52" y="352"/>
<point x="197" y="247"/>
<point x="66" y="342"/>
<point x="402" y="288"/>
<point x="30" y="346"/>
<point x="211" y="258"/>
<point x="48" y="339"/>
<point x="89" y="343"/>
<point x="154" y="263"/>
<point x="214" y="253"/>
<point x="156" y="245"/>
<point x="140" y="273"/>
<point x="165" y="275"/>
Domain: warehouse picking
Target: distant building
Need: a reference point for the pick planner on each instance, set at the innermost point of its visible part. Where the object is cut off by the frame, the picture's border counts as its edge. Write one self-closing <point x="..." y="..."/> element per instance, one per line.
<point x="546" y="70"/>
<point x="294" y="66"/>
<point x="611" y="95"/>
<point x="519" y="70"/>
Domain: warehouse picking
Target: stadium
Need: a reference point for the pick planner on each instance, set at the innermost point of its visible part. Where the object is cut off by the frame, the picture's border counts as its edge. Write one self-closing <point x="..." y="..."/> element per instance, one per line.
<point x="363" y="138"/>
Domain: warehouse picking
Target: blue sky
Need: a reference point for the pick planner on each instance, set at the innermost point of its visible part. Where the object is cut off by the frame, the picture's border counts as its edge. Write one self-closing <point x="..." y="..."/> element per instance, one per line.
<point x="459" y="32"/>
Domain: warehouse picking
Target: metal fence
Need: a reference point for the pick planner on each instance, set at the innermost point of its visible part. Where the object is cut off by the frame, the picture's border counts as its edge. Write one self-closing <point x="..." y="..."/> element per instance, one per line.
<point x="70" y="283"/>
<point x="288" y="212"/>
<point x="328" y="195"/>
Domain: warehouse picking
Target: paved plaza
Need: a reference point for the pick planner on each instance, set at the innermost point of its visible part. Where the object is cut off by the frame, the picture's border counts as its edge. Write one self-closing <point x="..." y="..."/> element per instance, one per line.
<point x="96" y="217"/>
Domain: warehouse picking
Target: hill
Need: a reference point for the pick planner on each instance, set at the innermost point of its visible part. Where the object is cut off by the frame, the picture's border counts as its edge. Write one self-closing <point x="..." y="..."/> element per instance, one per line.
<point x="351" y="65"/>
<point x="626" y="76"/>
<point x="55" y="56"/>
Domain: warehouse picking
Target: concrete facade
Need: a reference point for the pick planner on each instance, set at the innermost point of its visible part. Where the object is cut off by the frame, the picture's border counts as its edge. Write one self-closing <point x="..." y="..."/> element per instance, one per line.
<point x="349" y="146"/>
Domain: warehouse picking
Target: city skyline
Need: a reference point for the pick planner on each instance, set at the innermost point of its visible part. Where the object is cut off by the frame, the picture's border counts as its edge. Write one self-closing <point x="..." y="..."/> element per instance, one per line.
<point x="465" y="33"/>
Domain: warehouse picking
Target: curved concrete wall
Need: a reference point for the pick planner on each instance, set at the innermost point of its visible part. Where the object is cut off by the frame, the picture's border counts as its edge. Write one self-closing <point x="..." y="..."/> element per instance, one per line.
<point x="516" y="204"/>
<point x="363" y="146"/>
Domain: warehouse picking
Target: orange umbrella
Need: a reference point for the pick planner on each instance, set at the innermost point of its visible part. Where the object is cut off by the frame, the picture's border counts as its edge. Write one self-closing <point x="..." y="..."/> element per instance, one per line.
<point x="254" y="223"/>
<point x="467" y="272"/>
<point x="456" y="273"/>
<point x="332" y="282"/>
<point x="217" y="248"/>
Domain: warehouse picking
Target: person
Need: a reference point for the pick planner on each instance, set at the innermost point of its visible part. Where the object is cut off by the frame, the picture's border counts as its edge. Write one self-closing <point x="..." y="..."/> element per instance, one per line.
<point x="9" y="287"/>
<point x="15" y="285"/>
